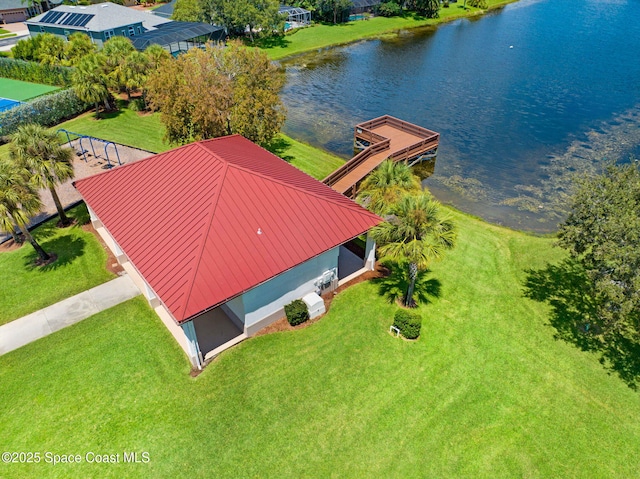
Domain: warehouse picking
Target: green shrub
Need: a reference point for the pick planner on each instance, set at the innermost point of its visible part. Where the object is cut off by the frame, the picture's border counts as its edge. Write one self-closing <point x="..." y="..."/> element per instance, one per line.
<point x="27" y="49"/>
<point x="388" y="9"/>
<point x="297" y="312"/>
<point x="408" y="322"/>
<point x="46" y="110"/>
<point x="35" y="72"/>
<point x="137" y="104"/>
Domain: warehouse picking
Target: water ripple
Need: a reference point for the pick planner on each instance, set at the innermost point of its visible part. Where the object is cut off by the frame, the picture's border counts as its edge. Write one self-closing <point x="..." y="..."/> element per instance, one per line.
<point x="505" y="114"/>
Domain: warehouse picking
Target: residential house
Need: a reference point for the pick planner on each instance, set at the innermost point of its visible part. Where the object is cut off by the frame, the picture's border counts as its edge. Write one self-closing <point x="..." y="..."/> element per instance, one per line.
<point x="105" y="20"/>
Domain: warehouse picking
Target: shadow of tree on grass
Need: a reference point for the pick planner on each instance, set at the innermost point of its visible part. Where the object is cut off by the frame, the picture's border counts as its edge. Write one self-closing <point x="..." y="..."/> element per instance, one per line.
<point x="274" y="41"/>
<point x="279" y="147"/>
<point x="568" y="290"/>
<point x="394" y="286"/>
<point x="66" y="248"/>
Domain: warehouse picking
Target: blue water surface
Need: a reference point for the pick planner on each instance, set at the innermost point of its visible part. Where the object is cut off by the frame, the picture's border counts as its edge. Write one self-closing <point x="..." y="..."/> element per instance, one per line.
<point x="518" y="95"/>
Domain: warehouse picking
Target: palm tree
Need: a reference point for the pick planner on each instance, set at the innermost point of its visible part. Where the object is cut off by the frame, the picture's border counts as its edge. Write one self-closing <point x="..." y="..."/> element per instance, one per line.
<point x="156" y="55"/>
<point x="386" y="184"/>
<point x="416" y="233"/>
<point x="37" y="150"/>
<point x="135" y="69"/>
<point x="89" y="80"/>
<point x="78" y="46"/>
<point x="116" y="51"/>
<point x="19" y="200"/>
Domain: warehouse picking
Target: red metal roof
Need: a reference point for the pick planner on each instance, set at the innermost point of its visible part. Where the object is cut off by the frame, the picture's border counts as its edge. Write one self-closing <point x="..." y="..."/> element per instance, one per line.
<point x="211" y="220"/>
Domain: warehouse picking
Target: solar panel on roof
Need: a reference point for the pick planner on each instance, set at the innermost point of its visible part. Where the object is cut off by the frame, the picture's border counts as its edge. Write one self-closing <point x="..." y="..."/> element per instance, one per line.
<point x="68" y="20"/>
<point x="51" y="17"/>
<point x="45" y="19"/>
<point x="78" y="19"/>
<point x="63" y="18"/>
<point x="84" y="20"/>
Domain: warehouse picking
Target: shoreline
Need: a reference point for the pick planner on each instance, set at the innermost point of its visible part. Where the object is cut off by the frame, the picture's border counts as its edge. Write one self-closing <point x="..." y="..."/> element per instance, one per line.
<point x="402" y="24"/>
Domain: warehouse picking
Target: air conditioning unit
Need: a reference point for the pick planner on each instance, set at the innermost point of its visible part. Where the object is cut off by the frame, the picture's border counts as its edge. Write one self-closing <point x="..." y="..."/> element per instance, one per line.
<point x="328" y="280"/>
<point x="315" y="305"/>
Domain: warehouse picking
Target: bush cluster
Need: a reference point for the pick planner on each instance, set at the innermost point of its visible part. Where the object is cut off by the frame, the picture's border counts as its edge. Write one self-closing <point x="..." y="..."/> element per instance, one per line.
<point x="388" y="9"/>
<point x="297" y="312"/>
<point x="47" y="110"/>
<point x="137" y="104"/>
<point x="35" y="72"/>
<point x="408" y="322"/>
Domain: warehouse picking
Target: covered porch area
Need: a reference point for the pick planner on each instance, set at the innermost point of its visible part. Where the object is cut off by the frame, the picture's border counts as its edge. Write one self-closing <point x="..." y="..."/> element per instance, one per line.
<point x="355" y="257"/>
<point x="216" y="331"/>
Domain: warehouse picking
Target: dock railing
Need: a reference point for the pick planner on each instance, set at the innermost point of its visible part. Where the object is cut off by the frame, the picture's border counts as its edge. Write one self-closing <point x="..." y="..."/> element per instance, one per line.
<point x="356" y="161"/>
<point x="379" y="143"/>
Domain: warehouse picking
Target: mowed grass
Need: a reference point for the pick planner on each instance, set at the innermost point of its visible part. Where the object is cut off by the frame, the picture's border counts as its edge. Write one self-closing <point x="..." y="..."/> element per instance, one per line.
<point x="313" y="161"/>
<point x="22" y="91"/>
<point x="486" y="392"/>
<point x="145" y="131"/>
<point x="325" y="35"/>
<point x="81" y="265"/>
<point x="124" y="126"/>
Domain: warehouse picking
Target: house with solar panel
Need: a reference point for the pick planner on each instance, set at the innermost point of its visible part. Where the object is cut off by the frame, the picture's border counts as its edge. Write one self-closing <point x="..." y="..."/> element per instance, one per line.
<point x="220" y="235"/>
<point x="105" y="20"/>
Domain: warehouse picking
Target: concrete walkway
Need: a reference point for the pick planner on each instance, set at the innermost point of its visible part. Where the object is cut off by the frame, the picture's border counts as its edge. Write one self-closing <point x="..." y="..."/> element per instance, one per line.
<point x="65" y="313"/>
<point x="20" y="29"/>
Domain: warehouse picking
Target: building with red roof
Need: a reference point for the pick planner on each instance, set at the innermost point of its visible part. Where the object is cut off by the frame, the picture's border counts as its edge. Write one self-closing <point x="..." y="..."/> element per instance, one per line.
<point x="220" y="234"/>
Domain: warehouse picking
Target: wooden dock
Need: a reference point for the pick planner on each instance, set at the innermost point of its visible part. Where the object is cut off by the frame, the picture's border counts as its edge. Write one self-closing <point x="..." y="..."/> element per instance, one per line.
<point x="382" y="138"/>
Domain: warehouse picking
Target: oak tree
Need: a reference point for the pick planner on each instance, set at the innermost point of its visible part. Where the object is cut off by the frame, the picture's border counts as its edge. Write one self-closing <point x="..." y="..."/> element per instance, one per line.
<point x="218" y="91"/>
<point x="603" y="233"/>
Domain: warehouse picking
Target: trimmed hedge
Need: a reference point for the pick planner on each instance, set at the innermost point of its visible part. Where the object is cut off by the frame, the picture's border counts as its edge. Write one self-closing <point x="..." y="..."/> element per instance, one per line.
<point x="46" y="110"/>
<point x="35" y="72"/>
<point x="408" y="322"/>
<point x="297" y="312"/>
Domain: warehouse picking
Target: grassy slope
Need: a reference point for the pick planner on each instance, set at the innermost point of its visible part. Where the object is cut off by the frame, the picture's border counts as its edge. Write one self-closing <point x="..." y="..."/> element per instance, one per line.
<point x="80" y="266"/>
<point x="20" y="90"/>
<point x="313" y="161"/>
<point x="321" y="36"/>
<point x="485" y="392"/>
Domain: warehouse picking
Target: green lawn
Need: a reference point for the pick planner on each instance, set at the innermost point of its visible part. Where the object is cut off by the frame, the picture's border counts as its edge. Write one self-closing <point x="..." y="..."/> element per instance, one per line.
<point x="21" y="91"/>
<point x="485" y="392"/>
<point x="324" y="35"/>
<point x="313" y="161"/>
<point x="124" y="126"/>
<point x="129" y="128"/>
<point x="80" y="266"/>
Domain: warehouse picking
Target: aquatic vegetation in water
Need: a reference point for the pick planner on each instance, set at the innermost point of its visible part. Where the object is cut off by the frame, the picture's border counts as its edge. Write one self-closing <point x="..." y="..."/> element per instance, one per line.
<point x="545" y="201"/>
<point x="614" y="140"/>
<point x="470" y="188"/>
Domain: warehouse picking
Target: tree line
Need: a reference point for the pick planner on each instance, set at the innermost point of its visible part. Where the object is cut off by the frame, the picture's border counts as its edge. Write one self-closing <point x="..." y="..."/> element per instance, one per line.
<point x="203" y="93"/>
<point x="262" y="18"/>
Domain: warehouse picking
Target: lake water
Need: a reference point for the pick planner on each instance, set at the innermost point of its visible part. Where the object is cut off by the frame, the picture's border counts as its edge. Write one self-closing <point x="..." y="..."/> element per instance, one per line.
<point x="524" y="99"/>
